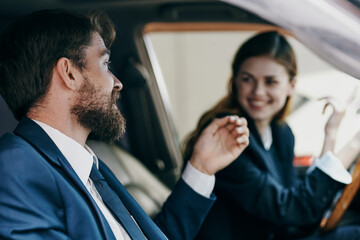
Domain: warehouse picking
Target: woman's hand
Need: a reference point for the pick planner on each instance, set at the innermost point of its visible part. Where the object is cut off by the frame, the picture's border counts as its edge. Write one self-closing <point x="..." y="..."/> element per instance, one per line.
<point x="339" y="108"/>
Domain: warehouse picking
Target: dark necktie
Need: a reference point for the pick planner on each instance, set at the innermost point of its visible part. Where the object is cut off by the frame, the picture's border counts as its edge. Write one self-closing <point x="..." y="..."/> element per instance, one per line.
<point x="115" y="205"/>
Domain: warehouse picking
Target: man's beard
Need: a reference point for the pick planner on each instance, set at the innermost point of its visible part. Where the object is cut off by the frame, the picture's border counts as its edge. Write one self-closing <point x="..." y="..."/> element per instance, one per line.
<point x="95" y="111"/>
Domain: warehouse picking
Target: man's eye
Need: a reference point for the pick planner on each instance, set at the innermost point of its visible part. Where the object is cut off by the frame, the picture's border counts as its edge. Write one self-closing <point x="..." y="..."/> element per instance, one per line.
<point x="107" y="63"/>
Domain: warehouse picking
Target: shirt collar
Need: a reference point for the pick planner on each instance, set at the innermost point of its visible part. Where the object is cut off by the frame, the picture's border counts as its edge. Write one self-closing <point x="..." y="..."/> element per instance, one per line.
<point x="266" y="138"/>
<point x="81" y="158"/>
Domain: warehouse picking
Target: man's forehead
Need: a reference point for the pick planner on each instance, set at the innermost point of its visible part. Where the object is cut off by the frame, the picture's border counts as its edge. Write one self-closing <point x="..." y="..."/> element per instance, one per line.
<point x="105" y="51"/>
<point x="98" y="42"/>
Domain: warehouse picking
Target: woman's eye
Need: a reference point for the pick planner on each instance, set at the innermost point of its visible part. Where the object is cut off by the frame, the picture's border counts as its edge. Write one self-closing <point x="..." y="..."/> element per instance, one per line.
<point x="245" y="79"/>
<point x="271" y="81"/>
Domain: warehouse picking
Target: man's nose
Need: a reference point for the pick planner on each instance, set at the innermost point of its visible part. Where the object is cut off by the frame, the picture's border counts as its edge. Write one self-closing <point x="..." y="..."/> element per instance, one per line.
<point x="117" y="84"/>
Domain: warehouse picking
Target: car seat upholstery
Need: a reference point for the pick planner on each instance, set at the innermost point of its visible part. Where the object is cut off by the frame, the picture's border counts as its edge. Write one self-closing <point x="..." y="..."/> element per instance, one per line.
<point x="7" y="120"/>
<point x="147" y="190"/>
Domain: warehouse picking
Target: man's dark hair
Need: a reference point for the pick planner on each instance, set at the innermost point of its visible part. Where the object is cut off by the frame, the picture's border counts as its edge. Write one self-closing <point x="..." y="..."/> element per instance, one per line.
<point x="31" y="47"/>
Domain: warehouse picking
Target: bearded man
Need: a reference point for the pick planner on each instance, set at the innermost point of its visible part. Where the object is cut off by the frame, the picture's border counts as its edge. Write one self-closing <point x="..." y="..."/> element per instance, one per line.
<point x="55" y="77"/>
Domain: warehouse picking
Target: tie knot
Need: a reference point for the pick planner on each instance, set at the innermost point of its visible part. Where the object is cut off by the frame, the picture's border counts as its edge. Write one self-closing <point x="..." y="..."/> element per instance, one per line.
<point x="95" y="174"/>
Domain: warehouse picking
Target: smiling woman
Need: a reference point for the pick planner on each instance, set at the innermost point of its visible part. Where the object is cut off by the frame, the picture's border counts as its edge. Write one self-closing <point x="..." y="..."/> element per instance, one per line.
<point x="260" y="195"/>
<point x="191" y="65"/>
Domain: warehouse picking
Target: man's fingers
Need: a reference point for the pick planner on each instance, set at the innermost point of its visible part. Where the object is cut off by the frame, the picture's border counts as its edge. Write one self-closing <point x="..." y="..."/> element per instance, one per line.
<point x="241" y="122"/>
<point x="229" y="121"/>
<point x="244" y="140"/>
<point x="241" y="134"/>
<point x="238" y="131"/>
<point x="218" y="123"/>
<point x="231" y="126"/>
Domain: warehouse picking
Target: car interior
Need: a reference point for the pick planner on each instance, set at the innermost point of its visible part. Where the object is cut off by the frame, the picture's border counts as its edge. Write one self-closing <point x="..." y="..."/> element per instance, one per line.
<point x="148" y="158"/>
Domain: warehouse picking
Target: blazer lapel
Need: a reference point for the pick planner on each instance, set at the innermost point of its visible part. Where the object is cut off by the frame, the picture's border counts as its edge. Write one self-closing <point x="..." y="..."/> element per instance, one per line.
<point x="149" y="228"/>
<point x="38" y="138"/>
<point x="256" y="146"/>
<point x="285" y="150"/>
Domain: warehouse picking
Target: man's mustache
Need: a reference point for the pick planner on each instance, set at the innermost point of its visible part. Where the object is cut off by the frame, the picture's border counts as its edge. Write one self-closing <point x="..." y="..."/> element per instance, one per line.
<point x="115" y="95"/>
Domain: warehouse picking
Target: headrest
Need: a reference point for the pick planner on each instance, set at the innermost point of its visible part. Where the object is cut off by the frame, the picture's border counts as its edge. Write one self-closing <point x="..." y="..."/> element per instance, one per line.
<point x="7" y="120"/>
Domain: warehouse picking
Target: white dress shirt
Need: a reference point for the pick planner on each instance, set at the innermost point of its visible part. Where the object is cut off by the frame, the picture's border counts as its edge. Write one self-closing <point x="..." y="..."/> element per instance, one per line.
<point x="81" y="159"/>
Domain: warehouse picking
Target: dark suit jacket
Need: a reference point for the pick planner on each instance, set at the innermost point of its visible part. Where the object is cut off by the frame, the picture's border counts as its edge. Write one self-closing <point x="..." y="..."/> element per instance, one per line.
<point x="41" y="196"/>
<point x="259" y="197"/>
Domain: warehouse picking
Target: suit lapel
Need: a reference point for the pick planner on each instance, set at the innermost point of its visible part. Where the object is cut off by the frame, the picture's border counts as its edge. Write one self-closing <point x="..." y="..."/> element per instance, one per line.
<point x="262" y="158"/>
<point x="106" y="230"/>
<point x="262" y="155"/>
<point x="38" y="138"/>
<point x="285" y="151"/>
<point x="149" y="228"/>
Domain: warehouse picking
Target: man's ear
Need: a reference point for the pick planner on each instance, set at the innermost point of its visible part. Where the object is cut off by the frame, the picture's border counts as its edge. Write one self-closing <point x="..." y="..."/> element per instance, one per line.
<point x="69" y="73"/>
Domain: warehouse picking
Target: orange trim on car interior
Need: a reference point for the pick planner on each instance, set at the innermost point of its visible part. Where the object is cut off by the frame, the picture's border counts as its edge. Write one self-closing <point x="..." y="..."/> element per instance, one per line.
<point x="303" y="161"/>
<point x="329" y="223"/>
<point x="209" y="26"/>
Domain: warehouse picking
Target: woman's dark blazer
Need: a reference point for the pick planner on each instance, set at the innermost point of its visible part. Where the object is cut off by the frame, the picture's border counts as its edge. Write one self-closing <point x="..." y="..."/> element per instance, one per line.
<point x="262" y="199"/>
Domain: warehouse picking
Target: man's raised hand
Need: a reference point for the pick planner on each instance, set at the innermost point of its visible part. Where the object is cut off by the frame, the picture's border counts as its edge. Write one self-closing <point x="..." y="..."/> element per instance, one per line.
<point x="220" y="144"/>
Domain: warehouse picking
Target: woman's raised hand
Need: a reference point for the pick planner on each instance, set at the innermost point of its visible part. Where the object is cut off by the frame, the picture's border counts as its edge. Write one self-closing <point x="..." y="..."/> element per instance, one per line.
<point x="339" y="108"/>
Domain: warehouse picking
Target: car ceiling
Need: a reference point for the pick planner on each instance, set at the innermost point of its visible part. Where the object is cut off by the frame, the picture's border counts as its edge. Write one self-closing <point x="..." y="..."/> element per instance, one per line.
<point x="19" y="7"/>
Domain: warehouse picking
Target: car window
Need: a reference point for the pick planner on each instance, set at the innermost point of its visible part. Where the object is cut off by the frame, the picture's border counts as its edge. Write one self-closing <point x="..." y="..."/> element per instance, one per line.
<point x="195" y="68"/>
